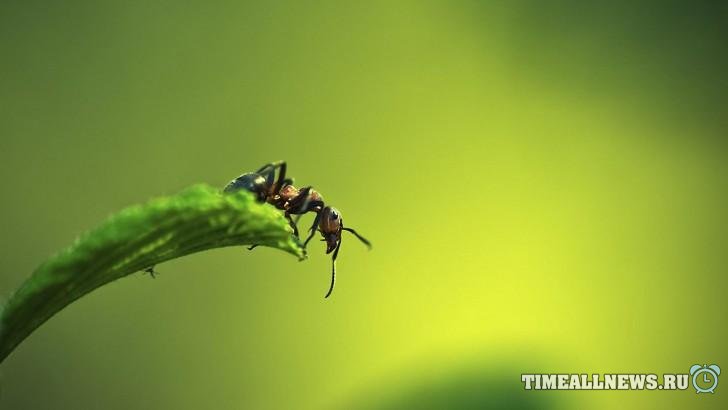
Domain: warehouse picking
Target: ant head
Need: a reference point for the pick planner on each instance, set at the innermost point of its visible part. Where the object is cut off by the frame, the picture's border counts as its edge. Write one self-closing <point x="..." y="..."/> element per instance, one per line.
<point x="330" y="226"/>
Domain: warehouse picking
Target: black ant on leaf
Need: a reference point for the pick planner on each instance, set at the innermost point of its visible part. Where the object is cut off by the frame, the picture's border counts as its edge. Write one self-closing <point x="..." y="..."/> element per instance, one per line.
<point x="281" y="193"/>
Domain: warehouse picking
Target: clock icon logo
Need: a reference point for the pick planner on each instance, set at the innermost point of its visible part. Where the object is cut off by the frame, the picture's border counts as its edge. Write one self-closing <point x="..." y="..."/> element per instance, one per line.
<point x="705" y="378"/>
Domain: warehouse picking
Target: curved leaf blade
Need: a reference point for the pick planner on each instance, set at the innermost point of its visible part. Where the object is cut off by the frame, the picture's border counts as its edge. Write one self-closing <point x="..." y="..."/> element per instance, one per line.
<point x="197" y="219"/>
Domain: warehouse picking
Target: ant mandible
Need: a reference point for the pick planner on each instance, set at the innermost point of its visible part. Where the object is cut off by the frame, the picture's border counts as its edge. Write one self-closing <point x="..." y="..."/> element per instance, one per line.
<point x="281" y="193"/>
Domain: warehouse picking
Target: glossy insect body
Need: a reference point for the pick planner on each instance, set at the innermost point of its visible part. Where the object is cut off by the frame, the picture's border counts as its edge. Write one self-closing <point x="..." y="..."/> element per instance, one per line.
<point x="281" y="193"/>
<point x="252" y="182"/>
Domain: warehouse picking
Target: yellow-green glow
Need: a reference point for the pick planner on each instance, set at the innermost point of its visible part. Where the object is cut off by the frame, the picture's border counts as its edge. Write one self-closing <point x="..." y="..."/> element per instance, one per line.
<point x="544" y="187"/>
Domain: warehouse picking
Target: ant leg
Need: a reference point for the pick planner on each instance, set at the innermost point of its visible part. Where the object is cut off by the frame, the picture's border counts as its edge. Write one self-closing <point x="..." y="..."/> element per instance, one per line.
<point x="150" y="270"/>
<point x="296" y="204"/>
<point x="303" y="203"/>
<point x="251" y="247"/>
<point x="270" y="170"/>
<point x="281" y="177"/>
<point x="333" y="270"/>
<point x="312" y="230"/>
<point x="293" y="224"/>
<point x="310" y="206"/>
<point x="361" y="238"/>
<point x="274" y="165"/>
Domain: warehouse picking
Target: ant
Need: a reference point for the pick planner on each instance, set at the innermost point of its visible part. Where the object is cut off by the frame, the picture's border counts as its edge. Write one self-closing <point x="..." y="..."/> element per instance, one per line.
<point x="281" y="193"/>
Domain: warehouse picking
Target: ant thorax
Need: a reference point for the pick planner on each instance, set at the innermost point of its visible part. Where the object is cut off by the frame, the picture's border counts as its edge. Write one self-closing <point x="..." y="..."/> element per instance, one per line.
<point x="315" y="196"/>
<point x="288" y="192"/>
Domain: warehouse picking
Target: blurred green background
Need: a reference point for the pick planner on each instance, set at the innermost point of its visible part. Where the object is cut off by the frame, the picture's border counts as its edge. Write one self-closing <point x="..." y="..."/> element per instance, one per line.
<point x="544" y="184"/>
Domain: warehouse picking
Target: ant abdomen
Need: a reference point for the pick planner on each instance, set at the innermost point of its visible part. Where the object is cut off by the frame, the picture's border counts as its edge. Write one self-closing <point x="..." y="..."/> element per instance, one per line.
<point x="251" y="182"/>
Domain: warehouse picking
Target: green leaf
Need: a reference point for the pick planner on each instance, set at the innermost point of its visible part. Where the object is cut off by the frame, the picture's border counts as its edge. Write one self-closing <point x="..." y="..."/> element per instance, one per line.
<point x="138" y="237"/>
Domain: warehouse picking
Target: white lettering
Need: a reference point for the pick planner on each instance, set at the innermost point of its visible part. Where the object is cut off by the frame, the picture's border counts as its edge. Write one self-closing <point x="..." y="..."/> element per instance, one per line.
<point x="527" y="379"/>
<point x="563" y="381"/>
<point x="682" y="381"/>
<point x="598" y="385"/>
<point x="610" y="381"/>
<point x="637" y="381"/>
<point x="549" y="381"/>
<point x="622" y="380"/>
<point x="651" y="381"/>
<point x="669" y="380"/>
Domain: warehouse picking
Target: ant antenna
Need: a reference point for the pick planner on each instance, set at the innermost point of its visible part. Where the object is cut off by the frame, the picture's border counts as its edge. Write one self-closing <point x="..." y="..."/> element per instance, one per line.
<point x="333" y="279"/>
<point x="333" y="270"/>
<point x="361" y="238"/>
